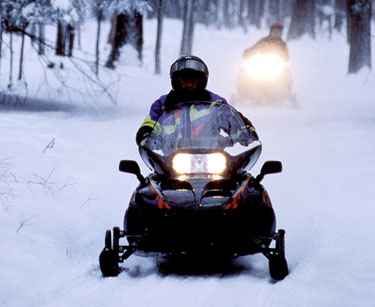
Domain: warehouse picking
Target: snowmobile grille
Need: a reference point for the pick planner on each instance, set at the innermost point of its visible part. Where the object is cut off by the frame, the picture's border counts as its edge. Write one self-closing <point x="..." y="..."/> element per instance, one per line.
<point x="219" y="188"/>
<point x="175" y="185"/>
<point x="173" y="189"/>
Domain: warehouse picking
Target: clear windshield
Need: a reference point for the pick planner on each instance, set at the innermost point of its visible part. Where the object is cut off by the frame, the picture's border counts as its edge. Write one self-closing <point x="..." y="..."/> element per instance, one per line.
<point x="201" y="126"/>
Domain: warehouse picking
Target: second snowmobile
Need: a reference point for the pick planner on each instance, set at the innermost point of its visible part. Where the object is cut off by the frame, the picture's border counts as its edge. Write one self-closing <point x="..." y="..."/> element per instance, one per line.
<point x="265" y="79"/>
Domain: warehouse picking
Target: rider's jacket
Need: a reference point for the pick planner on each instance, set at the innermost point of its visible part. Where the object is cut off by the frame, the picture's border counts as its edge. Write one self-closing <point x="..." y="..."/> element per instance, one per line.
<point x="167" y="102"/>
<point x="269" y="44"/>
<point x="170" y="101"/>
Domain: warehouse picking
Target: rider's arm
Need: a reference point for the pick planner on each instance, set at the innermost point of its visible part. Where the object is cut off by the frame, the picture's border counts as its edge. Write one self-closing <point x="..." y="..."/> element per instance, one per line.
<point x="148" y="124"/>
<point x="249" y="125"/>
<point x="254" y="49"/>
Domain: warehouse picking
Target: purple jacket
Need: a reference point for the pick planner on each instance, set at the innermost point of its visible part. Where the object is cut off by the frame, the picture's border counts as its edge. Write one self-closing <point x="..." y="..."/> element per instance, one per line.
<point x="158" y="107"/>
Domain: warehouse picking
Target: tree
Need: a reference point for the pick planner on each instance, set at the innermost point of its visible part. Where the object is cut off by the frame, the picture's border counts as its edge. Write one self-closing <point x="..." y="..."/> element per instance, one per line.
<point x="274" y="12"/>
<point x="188" y="28"/>
<point x="1" y="34"/>
<point x="359" y="34"/>
<point x="126" y="28"/>
<point x="68" y="14"/>
<point x="241" y="15"/>
<point x="160" y="10"/>
<point x="303" y="19"/>
<point x="99" y="10"/>
<point x="340" y="9"/>
<point x="255" y="12"/>
<point x="38" y="13"/>
<point x="13" y="21"/>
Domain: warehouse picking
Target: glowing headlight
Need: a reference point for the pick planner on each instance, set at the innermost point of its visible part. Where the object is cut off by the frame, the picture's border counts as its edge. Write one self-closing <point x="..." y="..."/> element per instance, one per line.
<point x="265" y="67"/>
<point x="184" y="163"/>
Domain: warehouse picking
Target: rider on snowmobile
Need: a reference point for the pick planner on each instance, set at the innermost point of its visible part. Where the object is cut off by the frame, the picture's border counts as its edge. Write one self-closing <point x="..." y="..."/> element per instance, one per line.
<point x="189" y="76"/>
<point x="271" y="43"/>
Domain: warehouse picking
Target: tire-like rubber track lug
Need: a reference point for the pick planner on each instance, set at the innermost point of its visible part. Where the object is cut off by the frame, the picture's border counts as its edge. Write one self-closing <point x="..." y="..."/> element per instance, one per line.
<point x="108" y="261"/>
<point x="278" y="267"/>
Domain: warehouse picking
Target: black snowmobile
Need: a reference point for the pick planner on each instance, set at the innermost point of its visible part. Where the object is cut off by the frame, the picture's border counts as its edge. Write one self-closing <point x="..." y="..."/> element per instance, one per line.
<point x="200" y="200"/>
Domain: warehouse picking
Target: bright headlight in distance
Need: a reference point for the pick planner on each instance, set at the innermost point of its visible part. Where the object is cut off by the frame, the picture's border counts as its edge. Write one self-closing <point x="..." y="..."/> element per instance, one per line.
<point x="267" y="66"/>
<point x="213" y="163"/>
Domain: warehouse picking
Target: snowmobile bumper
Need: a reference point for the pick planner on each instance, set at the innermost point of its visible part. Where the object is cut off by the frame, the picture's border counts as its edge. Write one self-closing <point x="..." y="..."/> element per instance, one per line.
<point x="254" y="245"/>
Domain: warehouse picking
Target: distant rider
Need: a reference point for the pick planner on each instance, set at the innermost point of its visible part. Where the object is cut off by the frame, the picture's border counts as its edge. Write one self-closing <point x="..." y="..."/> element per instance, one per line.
<point x="189" y="76"/>
<point x="271" y="43"/>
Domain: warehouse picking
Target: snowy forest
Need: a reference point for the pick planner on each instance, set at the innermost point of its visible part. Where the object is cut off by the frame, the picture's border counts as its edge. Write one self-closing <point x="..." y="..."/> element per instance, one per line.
<point x="77" y="79"/>
<point x="25" y="22"/>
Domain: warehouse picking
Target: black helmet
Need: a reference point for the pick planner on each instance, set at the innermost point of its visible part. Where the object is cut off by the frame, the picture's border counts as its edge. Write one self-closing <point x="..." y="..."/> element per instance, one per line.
<point x="189" y="66"/>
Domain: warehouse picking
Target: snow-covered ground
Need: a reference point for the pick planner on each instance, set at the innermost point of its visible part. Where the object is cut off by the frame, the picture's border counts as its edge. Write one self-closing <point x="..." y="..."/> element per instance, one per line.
<point x="60" y="188"/>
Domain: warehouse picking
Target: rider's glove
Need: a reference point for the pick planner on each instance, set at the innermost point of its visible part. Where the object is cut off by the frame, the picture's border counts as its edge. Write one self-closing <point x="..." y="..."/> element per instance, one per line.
<point x="142" y="134"/>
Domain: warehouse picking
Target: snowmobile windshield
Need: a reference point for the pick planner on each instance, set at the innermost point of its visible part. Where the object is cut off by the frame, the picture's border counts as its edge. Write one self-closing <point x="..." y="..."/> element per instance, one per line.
<point x="203" y="127"/>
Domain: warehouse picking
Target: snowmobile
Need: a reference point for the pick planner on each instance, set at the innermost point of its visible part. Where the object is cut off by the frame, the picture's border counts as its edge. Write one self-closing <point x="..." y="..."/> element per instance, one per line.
<point x="265" y="79"/>
<point x="200" y="199"/>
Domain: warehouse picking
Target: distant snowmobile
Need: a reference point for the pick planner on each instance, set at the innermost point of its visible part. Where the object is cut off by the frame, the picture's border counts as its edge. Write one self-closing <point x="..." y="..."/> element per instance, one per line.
<point x="264" y="78"/>
<point x="200" y="200"/>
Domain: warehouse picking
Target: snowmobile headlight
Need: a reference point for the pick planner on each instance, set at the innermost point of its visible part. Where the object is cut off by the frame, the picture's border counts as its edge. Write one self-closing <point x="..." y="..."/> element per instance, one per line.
<point x="213" y="163"/>
<point x="265" y="67"/>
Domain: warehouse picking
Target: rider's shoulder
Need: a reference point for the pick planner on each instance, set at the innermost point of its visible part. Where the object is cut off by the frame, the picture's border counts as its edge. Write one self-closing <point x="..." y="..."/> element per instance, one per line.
<point x="216" y="97"/>
<point x="161" y="100"/>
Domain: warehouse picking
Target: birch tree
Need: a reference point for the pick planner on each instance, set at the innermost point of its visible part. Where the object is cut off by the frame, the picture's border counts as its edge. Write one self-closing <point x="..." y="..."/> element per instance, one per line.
<point x="160" y="11"/>
<point x="188" y="28"/>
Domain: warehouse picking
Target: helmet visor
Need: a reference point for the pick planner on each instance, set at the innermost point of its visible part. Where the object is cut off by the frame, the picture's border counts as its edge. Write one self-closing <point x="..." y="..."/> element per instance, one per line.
<point x="189" y="64"/>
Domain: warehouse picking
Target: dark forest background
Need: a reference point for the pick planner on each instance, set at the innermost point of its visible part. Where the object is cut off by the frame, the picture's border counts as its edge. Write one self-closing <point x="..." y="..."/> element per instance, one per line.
<point x="28" y="19"/>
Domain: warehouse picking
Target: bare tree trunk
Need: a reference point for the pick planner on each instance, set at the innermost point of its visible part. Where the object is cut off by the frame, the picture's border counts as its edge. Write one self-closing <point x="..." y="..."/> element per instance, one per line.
<point x="303" y="19"/>
<point x="70" y="36"/>
<point x="187" y="34"/>
<point x="158" y="37"/>
<point x="99" y="21"/>
<point x="205" y="15"/>
<point x="255" y="12"/>
<point x="20" y="71"/>
<point x="261" y="8"/>
<point x="226" y="14"/>
<point x="33" y="33"/>
<point x="339" y="14"/>
<point x="127" y="28"/>
<point x="185" y="28"/>
<point x="11" y="59"/>
<point x="79" y="36"/>
<point x="348" y="24"/>
<point x="359" y="12"/>
<point x="118" y="37"/>
<point x="137" y="29"/>
<point x="41" y="50"/>
<point x="241" y="16"/>
<point x="112" y="32"/>
<point x="1" y="38"/>
<point x="1" y="41"/>
<point x="60" y="41"/>
<point x="191" y="28"/>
